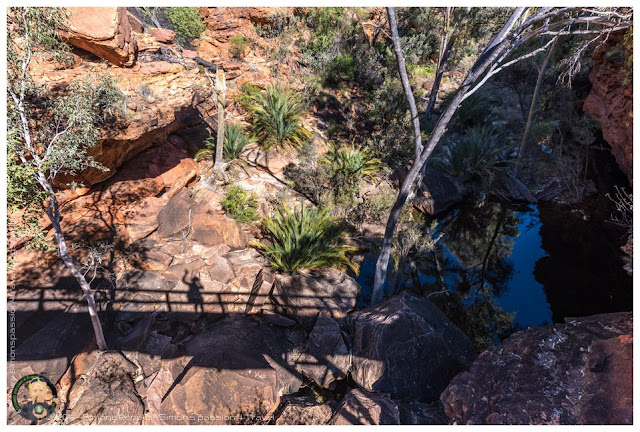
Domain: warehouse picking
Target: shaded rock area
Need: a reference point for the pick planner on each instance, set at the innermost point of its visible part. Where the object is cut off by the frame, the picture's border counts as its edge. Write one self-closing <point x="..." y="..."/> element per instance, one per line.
<point x="360" y="407"/>
<point x="573" y="373"/>
<point x="408" y="348"/>
<point x="100" y="390"/>
<point x="304" y="297"/>
<point x="419" y="413"/>
<point x="437" y="193"/>
<point x="302" y="411"/>
<point x="234" y="372"/>
<point x="326" y="358"/>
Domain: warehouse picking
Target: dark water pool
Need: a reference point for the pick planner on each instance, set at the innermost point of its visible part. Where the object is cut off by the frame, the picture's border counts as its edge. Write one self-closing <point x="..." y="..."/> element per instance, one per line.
<point x="509" y="267"/>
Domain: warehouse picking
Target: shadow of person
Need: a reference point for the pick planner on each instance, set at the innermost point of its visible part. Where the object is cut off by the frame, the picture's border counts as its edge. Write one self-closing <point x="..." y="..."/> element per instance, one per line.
<point x="194" y="294"/>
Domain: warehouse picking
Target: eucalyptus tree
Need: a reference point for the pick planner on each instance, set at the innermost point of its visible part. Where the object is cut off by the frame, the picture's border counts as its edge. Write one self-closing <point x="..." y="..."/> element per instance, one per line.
<point x="523" y="26"/>
<point x="51" y="131"/>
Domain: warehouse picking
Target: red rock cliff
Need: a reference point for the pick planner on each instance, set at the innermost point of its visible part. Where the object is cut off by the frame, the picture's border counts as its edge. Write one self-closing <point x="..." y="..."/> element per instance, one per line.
<point x="611" y="100"/>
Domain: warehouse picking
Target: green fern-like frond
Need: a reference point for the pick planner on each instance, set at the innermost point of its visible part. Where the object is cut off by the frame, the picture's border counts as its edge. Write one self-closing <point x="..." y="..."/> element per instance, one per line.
<point x="305" y="238"/>
<point x="277" y="118"/>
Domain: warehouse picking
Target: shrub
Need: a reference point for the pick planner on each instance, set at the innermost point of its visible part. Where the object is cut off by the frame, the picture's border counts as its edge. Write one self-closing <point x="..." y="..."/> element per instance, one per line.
<point x="374" y="209"/>
<point x="305" y="238"/>
<point x="248" y="94"/>
<point x="238" y="46"/>
<point x="209" y="148"/>
<point x="325" y="23"/>
<point x="186" y="22"/>
<point x="277" y="118"/>
<point x="240" y="205"/>
<point x="343" y="68"/>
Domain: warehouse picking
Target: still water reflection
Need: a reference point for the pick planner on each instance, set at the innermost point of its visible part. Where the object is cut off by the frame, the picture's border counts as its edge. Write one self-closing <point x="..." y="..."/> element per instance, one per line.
<point x="490" y="270"/>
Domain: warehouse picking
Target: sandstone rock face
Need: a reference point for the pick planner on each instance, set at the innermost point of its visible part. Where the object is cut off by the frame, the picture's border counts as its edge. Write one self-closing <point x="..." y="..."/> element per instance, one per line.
<point x="611" y="102"/>
<point x="219" y="387"/>
<point x="303" y="411"/>
<point x="408" y="348"/>
<point x="104" y="31"/>
<point x="175" y="217"/>
<point x="325" y="358"/>
<point x="360" y="407"/>
<point x="573" y="373"/>
<point x="304" y="297"/>
<point x="162" y="35"/>
<point x="233" y="373"/>
<point x="103" y="391"/>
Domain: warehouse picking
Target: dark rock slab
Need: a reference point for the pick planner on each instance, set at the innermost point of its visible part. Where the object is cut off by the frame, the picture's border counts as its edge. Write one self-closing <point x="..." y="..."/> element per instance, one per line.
<point x="407" y="347"/>
<point x="325" y="358"/>
<point x="573" y="373"/>
<point x="420" y="413"/>
<point x="174" y="218"/>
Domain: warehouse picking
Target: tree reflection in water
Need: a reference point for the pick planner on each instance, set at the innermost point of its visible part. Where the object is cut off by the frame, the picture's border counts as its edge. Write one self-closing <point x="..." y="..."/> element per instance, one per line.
<point x="471" y="268"/>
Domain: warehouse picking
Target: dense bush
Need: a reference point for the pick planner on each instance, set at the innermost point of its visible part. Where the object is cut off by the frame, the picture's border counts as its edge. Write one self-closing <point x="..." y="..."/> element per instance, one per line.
<point x="186" y="22"/>
<point x="305" y="238"/>
<point x="238" y="47"/>
<point x="240" y="205"/>
<point x="343" y="68"/>
<point x="277" y="118"/>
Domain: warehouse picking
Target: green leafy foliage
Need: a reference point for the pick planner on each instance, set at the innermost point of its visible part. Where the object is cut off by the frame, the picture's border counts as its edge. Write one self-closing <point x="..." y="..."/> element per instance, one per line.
<point x="240" y="205"/>
<point x="235" y="140"/>
<point x="305" y="238"/>
<point x="349" y="164"/>
<point x="238" y="47"/>
<point x="186" y="22"/>
<point x="477" y="151"/>
<point x="325" y="22"/>
<point x="277" y="118"/>
<point x="343" y="68"/>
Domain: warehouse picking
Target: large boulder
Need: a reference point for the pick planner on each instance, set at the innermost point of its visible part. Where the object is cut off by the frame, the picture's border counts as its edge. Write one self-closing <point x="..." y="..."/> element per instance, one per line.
<point x="437" y="193"/>
<point x="305" y="296"/>
<point x="211" y="229"/>
<point x="103" y="31"/>
<point x="175" y="218"/>
<point x="407" y="347"/>
<point x="579" y="372"/>
<point x="325" y="358"/>
<point x="215" y="387"/>
<point x="360" y="407"/>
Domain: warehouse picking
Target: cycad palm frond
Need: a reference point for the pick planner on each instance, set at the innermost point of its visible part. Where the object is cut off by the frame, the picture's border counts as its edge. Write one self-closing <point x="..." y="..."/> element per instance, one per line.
<point x="277" y="118"/>
<point x="306" y="238"/>
<point x="352" y="161"/>
<point x="235" y="140"/>
<point x="478" y="151"/>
